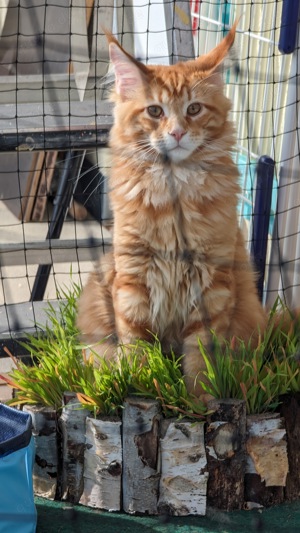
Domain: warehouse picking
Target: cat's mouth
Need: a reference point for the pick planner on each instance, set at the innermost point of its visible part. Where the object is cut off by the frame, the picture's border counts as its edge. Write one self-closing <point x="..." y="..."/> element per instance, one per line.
<point x="176" y="148"/>
<point x="175" y="154"/>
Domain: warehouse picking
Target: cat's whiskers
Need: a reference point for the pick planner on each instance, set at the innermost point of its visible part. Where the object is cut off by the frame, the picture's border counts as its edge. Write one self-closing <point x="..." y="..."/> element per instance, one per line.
<point x="92" y="193"/>
<point x="144" y="149"/>
<point x="150" y="150"/>
<point x="138" y="155"/>
<point x="90" y="169"/>
<point x="214" y="146"/>
<point x="203" y="80"/>
<point x="143" y="146"/>
<point x="198" y="82"/>
<point x="154" y="162"/>
<point x="78" y="154"/>
<point x="101" y="181"/>
<point x="133" y="150"/>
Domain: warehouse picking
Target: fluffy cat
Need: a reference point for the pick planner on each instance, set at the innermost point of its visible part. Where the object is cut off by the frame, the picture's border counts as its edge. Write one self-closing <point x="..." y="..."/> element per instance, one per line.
<point x="179" y="266"/>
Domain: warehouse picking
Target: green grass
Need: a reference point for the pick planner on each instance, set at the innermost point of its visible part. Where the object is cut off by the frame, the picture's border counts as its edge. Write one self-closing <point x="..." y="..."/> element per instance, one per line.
<point x="56" y="357"/>
<point x="246" y="374"/>
<point x="260" y="376"/>
<point x="160" y="378"/>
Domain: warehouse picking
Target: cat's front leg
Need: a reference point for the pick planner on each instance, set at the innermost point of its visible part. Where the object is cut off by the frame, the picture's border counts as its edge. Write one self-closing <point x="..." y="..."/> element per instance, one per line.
<point x="95" y="318"/>
<point x="132" y="310"/>
<point x="193" y="363"/>
<point x="214" y="314"/>
<point x="229" y="307"/>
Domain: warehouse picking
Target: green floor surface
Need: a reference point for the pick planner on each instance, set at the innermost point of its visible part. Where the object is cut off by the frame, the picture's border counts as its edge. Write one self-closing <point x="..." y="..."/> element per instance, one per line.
<point x="55" y="517"/>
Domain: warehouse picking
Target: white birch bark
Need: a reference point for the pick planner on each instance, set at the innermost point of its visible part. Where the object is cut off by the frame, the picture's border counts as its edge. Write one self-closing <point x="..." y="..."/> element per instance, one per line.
<point x="184" y="477"/>
<point x="102" y="465"/>
<point x="72" y="426"/>
<point x="141" y="470"/>
<point x="45" y="469"/>
<point x="267" y="449"/>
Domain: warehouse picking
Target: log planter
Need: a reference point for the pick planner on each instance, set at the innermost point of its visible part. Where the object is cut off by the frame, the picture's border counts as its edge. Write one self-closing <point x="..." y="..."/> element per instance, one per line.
<point x="46" y="465"/>
<point x="102" y="473"/>
<point x="146" y="464"/>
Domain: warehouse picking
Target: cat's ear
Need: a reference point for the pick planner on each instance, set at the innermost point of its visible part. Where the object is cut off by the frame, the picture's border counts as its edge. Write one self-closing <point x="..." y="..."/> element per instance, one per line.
<point x="220" y="57"/>
<point x="130" y="74"/>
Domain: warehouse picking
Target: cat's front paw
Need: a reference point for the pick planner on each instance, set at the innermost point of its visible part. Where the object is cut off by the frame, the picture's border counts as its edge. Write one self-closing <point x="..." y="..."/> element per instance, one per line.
<point x="195" y="389"/>
<point x="205" y="397"/>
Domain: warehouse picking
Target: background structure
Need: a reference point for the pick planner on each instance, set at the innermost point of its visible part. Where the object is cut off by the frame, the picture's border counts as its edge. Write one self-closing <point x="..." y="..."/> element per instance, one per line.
<point x="55" y="120"/>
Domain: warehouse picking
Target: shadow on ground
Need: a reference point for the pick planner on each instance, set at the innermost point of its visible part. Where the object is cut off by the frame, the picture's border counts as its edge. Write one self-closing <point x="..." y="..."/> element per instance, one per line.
<point x="57" y="517"/>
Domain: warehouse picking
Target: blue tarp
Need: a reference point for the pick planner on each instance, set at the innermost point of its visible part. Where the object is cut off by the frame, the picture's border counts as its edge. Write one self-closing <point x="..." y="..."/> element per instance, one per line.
<point x="17" y="508"/>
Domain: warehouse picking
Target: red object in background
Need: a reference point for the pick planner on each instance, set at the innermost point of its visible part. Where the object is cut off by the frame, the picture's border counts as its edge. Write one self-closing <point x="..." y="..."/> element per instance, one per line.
<point x="195" y="10"/>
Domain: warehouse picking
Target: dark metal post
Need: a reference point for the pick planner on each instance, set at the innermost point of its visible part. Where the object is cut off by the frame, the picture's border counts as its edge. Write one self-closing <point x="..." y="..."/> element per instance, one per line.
<point x="261" y="217"/>
<point x="288" y="27"/>
<point x="67" y="184"/>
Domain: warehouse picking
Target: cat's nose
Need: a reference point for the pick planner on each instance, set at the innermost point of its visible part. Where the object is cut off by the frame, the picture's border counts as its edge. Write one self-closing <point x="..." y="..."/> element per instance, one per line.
<point x="177" y="133"/>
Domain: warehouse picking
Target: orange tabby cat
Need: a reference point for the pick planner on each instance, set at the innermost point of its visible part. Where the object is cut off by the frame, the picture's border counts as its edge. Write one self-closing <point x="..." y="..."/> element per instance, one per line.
<point x="179" y="266"/>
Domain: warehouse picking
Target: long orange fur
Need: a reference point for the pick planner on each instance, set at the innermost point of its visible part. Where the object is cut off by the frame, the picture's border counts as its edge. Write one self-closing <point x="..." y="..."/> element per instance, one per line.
<point x="179" y="266"/>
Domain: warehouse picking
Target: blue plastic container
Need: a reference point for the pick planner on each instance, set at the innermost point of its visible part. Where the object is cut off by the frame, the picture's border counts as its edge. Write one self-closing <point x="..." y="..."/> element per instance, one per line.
<point x="17" y="508"/>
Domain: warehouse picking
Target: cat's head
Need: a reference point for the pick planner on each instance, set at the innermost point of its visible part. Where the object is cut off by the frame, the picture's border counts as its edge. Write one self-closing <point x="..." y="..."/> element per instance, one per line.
<point x="170" y="112"/>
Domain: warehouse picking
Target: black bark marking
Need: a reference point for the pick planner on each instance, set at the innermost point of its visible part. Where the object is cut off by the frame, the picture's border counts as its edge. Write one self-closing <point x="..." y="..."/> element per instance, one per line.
<point x="147" y="445"/>
<point x="184" y="430"/>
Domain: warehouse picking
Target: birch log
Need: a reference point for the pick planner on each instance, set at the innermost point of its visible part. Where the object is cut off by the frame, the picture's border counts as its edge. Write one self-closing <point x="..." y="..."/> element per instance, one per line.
<point x="183" y="480"/>
<point x="102" y="464"/>
<point x="72" y="426"/>
<point x="290" y="410"/>
<point x="45" y="470"/>
<point x="267" y="461"/>
<point x="226" y="454"/>
<point x="141" y="473"/>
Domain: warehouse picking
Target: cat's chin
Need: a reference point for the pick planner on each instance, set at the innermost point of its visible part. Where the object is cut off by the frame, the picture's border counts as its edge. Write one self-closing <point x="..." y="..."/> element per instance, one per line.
<point x="176" y="155"/>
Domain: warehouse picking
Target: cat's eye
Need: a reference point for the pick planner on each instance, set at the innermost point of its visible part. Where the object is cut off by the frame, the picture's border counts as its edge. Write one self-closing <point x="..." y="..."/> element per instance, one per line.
<point x="194" y="109"/>
<point x="155" y="111"/>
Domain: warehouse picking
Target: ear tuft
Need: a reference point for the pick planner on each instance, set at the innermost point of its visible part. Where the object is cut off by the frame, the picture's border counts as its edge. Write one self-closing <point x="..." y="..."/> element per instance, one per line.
<point x="130" y="75"/>
<point x="222" y="54"/>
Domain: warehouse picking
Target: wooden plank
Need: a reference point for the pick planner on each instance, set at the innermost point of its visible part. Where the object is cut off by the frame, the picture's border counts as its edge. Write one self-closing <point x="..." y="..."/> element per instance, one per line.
<point x="183" y="482"/>
<point x="226" y="454"/>
<point x="89" y="6"/>
<point x="53" y="251"/>
<point x="41" y="195"/>
<point x="3" y="13"/>
<point x="179" y="30"/>
<point x="32" y="184"/>
<point x="141" y="469"/>
<point x="24" y="214"/>
<point x="79" y="44"/>
<point x="55" y="116"/>
<point x="55" y="125"/>
<point x="103" y="18"/>
<point x="80" y="62"/>
<point x="102" y="464"/>
<point x="124" y="23"/>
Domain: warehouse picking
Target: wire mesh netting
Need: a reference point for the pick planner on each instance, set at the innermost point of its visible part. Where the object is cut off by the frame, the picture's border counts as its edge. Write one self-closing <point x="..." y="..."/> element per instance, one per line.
<point x="55" y="118"/>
